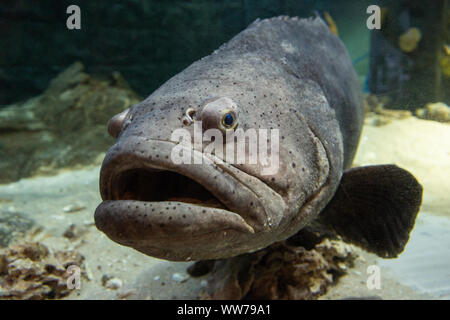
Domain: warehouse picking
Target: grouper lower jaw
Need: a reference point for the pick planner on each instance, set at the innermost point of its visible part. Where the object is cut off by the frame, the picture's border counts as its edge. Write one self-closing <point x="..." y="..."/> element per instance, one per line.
<point x="152" y="224"/>
<point x="205" y="208"/>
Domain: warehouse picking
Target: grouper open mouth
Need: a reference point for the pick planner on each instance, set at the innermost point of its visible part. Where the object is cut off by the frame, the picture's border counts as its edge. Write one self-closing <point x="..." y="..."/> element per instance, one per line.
<point x="149" y="199"/>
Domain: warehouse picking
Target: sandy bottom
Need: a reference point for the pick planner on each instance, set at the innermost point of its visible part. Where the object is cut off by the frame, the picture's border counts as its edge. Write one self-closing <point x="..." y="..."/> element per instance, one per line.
<point x="421" y="272"/>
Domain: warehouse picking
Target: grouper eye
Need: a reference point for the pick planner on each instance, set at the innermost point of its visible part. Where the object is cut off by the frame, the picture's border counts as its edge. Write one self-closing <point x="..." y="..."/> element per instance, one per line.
<point x="228" y="119"/>
<point x="220" y="114"/>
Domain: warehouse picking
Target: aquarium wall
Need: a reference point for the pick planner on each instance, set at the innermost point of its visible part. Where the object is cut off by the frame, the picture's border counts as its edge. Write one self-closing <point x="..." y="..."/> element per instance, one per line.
<point x="146" y="41"/>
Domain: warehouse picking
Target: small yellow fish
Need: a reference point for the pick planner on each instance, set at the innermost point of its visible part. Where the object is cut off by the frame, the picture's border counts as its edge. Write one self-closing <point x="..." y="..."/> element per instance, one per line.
<point x="409" y="40"/>
<point x="331" y="24"/>
<point x="447" y="49"/>
<point x="445" y="65"/>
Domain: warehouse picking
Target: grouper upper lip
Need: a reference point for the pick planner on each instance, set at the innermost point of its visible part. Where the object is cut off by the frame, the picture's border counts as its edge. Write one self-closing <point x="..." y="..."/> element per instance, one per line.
<point x="125" y="221"/>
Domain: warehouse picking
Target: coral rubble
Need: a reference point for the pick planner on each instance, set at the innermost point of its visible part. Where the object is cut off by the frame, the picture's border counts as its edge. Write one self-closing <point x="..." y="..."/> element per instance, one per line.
<point x="377" y="115"/>
<point x="281" y="271"/>
<point x="438" y="111"/>
<point x="29" y="270"/>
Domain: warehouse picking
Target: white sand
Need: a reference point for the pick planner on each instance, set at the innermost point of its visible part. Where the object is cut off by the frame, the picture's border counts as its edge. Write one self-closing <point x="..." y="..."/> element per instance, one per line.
<point x="419" y="146"/>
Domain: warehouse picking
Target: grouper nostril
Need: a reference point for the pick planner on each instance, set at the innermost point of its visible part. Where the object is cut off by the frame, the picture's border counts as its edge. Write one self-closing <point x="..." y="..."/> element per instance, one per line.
<point x="116" y="122"/>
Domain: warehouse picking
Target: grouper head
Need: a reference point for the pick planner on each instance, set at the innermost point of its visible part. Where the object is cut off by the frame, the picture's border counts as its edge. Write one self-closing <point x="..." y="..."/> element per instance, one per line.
<point x="213" y="206"/>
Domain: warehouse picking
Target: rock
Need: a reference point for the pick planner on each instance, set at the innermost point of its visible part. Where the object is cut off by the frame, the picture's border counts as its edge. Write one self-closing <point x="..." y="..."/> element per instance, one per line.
<point x="73" y="208"/>
<point x="63" y="127"/>
<point x="72" y="232"/>
<point x="105" y="279"/>
<point x="114" y="283"/>
<point x="373" y="102"/>
<point x="178" y="277"/>
<point x="70" y="77"/>
<point x="438" y="111"/>
<point x="382" y="117"/>
<point x="377" y="115"/>
<point x="12" y="226"/>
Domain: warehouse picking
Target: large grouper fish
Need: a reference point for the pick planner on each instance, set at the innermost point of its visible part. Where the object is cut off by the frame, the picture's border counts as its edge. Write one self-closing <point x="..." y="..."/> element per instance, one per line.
<point x="282" y="73"/>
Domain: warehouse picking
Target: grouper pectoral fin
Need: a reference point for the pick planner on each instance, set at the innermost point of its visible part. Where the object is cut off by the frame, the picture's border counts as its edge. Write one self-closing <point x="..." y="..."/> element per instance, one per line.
<point x="375" y="207"/>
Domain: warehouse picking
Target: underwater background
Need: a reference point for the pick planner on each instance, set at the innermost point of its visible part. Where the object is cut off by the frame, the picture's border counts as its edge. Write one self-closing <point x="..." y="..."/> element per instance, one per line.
<point x="146" y="41"/>
<point x="59" y="88"/>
